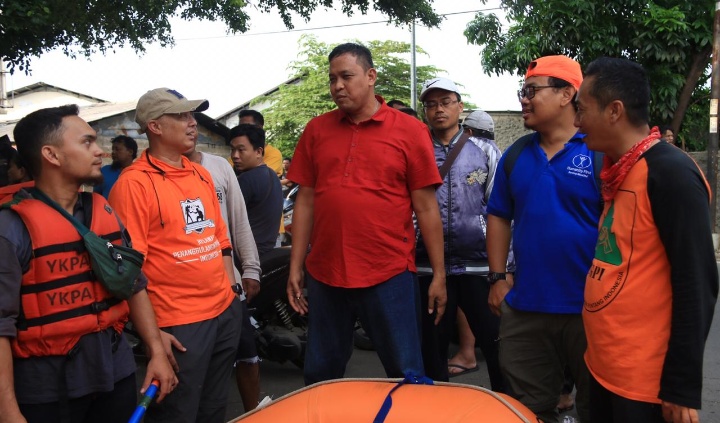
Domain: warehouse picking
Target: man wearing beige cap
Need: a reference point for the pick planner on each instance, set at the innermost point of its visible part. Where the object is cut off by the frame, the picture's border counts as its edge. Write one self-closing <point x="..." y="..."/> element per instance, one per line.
<point x="171" y="210"/>
<point x="546" y="185"/>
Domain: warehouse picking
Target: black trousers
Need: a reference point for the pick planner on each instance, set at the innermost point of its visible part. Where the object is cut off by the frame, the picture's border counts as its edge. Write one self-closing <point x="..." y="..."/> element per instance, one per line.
<point x="107" y="407"/>
<point x="469" y="293"/>
<point x="607" y="407"/>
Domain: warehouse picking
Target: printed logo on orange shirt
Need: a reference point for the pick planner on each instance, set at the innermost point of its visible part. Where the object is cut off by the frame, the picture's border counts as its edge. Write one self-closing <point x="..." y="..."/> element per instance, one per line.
<point x="194" y="213"/>
<point x="606" y="251"/>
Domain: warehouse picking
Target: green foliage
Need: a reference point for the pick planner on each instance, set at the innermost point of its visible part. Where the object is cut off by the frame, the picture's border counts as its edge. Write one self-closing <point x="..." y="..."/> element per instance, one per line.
<point x="694" y="131"/>
<point x="671" y="39"/>
<point x="31" y="27"/>
<point x="293" y="105"/>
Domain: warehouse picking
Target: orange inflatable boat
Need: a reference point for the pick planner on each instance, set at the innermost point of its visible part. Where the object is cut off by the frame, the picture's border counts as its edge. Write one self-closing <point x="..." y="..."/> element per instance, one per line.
<point x="390" y="401"/>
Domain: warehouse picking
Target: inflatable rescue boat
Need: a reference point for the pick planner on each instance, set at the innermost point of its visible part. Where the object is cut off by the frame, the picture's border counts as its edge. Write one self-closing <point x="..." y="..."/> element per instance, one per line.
<point x="391" y="401"/>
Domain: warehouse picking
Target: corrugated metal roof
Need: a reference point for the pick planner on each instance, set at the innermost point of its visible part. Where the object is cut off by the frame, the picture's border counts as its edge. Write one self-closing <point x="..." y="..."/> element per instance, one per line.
<point x="42" y="86"/>
<point x="246" y="105"/>
<point x="99" y="111"/>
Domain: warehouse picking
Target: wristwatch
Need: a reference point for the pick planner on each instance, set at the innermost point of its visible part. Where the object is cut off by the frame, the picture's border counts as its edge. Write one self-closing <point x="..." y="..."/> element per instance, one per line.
<point x="237" y="288"/>
<point x="495" y="276"/>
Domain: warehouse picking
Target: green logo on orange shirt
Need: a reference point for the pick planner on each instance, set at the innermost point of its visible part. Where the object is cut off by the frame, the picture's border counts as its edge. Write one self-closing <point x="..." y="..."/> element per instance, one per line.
<point x="607" y="249"/>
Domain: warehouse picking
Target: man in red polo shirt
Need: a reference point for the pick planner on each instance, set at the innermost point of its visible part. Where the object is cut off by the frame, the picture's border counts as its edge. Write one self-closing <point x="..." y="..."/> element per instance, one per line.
<point x="362" y="170"/>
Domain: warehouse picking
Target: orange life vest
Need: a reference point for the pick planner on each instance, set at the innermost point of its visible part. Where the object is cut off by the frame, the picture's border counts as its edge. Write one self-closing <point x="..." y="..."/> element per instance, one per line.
<point x="7" y="192"/>
<point x="60" y="299"/>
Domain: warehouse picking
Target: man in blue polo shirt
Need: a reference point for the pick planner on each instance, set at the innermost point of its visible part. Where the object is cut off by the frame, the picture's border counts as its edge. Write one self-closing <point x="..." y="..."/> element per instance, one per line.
<point x="551" y="195"/>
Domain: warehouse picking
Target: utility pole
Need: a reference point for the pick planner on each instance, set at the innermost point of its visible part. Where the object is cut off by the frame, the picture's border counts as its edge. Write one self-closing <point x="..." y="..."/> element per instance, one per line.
<point x="413" y="74"/>
<point x="4" y="104"/>
<point x="712" y="150"/>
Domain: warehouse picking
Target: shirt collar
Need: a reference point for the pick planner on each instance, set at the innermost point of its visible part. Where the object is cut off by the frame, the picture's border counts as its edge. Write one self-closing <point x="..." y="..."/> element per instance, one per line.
<point x="378" y="116"/>
<point x="454" y="139"/>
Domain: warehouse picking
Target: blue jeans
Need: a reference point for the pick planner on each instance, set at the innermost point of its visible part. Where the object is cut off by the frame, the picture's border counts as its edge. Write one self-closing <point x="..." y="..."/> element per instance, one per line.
<point x="389" y="313"/>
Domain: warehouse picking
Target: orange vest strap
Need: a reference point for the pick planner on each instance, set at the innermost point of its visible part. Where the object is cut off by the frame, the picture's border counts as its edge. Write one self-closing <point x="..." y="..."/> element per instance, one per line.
<point x="94" y="308"/>
<point x="76" y="246"/>
<point x="57" y="283"/>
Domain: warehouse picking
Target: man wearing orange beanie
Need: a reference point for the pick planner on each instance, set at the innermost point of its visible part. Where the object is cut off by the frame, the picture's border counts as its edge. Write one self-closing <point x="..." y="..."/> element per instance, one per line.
<point x="545" y="183"/>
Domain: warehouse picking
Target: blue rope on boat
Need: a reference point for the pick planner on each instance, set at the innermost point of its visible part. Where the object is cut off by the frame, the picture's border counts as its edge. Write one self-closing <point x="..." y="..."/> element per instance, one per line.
<point x="387" y="404"/>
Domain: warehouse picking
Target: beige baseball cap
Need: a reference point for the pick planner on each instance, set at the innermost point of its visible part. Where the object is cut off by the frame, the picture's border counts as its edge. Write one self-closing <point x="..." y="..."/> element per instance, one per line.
<point x="161" y="101"/>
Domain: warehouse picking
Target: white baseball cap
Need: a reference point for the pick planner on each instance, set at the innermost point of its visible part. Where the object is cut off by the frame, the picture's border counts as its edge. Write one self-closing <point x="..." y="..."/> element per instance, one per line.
<point x="438" y="83"/>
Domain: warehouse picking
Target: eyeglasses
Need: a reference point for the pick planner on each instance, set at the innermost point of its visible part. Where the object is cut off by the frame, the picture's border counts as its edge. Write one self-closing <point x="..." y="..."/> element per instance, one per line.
<point x="430" y="105"/>
<point x="530" y="90"/>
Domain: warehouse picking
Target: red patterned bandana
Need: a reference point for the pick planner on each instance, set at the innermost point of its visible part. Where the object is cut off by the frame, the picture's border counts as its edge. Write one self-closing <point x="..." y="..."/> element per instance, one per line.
<point x="613" y="175"/>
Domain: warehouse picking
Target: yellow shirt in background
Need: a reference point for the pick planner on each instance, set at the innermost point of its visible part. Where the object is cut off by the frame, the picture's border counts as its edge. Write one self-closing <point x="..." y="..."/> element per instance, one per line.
<point x="273" y="159"/>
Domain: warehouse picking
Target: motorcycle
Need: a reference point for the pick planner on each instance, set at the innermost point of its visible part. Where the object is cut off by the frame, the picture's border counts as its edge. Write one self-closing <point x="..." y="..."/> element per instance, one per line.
<point x="281" y="333"/>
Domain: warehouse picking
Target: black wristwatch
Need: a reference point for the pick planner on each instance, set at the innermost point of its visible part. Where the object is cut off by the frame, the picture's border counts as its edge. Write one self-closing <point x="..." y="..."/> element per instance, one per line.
<point x="237" y="288"/>
<point x="495" y="276"/>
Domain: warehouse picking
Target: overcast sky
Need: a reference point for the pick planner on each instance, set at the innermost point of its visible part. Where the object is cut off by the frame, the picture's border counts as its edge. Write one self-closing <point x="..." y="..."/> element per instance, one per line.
<point x="230" y="70"/>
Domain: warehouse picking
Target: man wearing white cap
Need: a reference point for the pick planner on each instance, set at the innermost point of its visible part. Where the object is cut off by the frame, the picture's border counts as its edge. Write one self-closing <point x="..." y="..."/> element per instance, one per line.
<point x="467" y="165"/>
<point x="171" y="210"/>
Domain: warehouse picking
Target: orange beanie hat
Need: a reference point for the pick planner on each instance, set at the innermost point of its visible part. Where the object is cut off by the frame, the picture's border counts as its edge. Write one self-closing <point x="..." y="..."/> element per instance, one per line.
<point x="561" y="67"/>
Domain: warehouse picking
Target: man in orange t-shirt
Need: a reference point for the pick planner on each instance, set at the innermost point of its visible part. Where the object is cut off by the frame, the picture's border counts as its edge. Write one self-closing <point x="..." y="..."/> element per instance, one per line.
<point x="170" y="208"/>
<point x="651" y="291"/>
<point x="363" y="169"/>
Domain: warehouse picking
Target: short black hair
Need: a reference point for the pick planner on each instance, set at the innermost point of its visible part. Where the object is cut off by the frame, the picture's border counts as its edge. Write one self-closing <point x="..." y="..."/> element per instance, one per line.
<point x="257" y="116"/>
<point x="255" y="134"/>
<point x="665" y="128"/>
<point x="393" y="102"/>
<point x="481" y="133"/>
<point x="561" y="83"/>
<point x="128" y="142"/>
<point x="38" y="129"/>
<point x="362" y="54"/>
<point x="408" y="111"/>
<point x="624" y="80"/>
<point x="16" y="159"/>
<point x="288" y="159"/>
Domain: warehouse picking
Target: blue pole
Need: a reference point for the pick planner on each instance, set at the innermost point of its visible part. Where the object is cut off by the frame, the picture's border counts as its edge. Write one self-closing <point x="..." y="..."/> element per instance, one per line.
<point x="145" y="402"/>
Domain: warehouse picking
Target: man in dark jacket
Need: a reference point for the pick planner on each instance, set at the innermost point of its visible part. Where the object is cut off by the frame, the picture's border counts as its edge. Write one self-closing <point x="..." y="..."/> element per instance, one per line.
<point x="462" y="200"/>
<point x="260" y="185"/>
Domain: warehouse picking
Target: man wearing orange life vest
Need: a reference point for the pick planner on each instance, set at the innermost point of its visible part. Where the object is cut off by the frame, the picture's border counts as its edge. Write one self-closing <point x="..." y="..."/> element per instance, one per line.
<point x="651" y="291"/>
<point x="63" y="356"/>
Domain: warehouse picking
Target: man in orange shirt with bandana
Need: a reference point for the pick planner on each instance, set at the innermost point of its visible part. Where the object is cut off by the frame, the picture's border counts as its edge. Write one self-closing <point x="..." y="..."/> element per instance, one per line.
<point x="651" y="291"/>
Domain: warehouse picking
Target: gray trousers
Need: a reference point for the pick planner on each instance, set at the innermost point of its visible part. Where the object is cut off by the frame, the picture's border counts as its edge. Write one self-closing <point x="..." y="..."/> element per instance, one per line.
<point x="205" y="370"/>
<point x="534" y="350"/>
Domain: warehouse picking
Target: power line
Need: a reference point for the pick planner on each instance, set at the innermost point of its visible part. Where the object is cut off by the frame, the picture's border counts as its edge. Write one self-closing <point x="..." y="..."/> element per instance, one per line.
<point x="322" y="27"/>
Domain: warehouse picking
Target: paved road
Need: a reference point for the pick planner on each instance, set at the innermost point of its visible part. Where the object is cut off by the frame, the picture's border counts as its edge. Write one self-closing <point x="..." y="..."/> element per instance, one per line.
<point x="280" y="379"/>
<point x="710" y="412"/>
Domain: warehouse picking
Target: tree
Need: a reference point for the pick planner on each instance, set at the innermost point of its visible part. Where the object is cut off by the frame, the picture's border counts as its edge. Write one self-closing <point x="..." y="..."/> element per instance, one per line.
<point x="31" y="27"/>
<point x="671" y="39"/>
<point x="293" y="105"/>
<point x="694" y="133"/>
